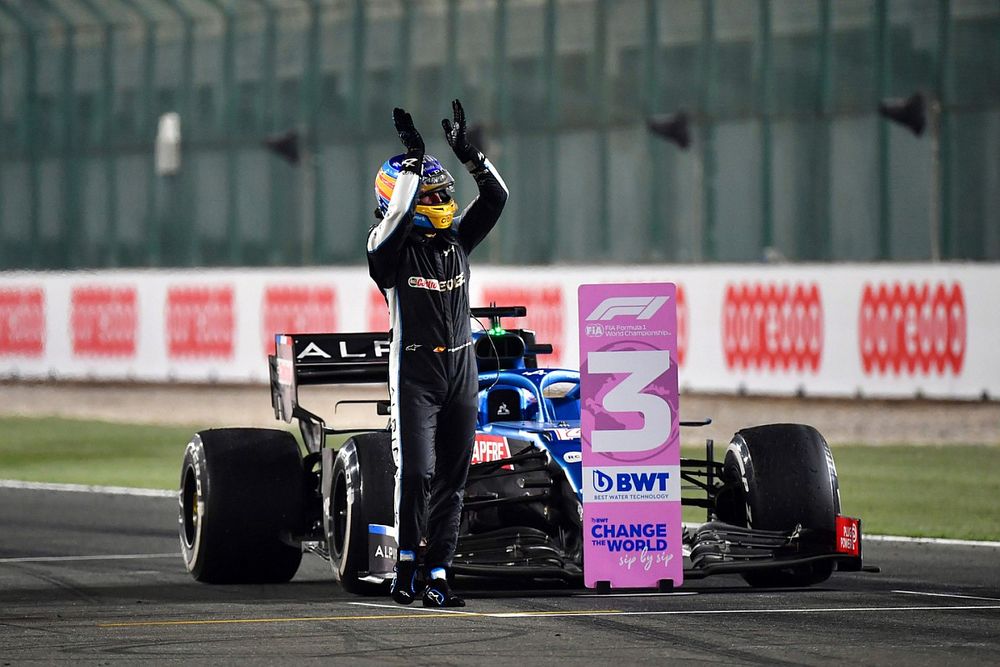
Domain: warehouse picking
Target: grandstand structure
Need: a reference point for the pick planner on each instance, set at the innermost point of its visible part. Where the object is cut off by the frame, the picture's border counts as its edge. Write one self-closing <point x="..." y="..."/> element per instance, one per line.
<point x="789" y="158"/>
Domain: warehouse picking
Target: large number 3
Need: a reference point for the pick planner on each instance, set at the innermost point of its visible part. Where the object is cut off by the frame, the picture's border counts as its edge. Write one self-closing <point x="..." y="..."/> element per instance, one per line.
<point x="643" y="367"/>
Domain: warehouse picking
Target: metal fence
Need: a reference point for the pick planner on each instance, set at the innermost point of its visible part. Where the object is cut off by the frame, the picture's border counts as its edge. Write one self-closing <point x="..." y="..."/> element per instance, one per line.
<point x="789" y="157"/>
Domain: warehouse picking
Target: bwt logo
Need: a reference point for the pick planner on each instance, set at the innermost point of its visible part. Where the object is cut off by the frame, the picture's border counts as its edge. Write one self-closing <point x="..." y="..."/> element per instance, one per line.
<point x="642" y="307"/>
<point x="628" y="482"/>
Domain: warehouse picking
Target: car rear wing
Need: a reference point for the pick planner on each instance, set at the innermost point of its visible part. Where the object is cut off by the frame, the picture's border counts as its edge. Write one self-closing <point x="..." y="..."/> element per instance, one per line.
<point x="323" y="358"/>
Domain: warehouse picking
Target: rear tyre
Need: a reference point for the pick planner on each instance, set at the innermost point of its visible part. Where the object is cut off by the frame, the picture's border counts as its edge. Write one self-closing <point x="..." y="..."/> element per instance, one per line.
<point x="361" y="492"/>
<point x="241" y="500"/>
<point x="785" y="477"/>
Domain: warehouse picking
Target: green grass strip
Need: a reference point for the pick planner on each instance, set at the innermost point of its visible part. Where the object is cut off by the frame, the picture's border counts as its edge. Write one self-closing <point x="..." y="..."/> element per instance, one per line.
<point x="924" y="491"/>
<point x="90" y="452"/>
<point x="951" y="491"/>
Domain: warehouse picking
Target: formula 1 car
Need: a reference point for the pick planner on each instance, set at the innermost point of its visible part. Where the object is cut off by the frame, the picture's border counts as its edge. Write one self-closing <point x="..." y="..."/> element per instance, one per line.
<point x="251" y="502"/>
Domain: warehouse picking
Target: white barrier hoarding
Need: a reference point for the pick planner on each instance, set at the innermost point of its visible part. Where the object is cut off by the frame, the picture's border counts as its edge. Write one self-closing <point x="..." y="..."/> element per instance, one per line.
<point x="826" y="330"/>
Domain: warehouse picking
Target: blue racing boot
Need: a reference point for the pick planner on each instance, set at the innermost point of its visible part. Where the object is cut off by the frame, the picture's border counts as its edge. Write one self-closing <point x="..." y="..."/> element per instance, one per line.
<point x="405" y="585"/>
<point x="438" y="593"/>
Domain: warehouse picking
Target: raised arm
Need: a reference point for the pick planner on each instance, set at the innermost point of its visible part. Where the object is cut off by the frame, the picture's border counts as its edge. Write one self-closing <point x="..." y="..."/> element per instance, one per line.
<point x="479" y="217"/>
<point x="386" y="238"/>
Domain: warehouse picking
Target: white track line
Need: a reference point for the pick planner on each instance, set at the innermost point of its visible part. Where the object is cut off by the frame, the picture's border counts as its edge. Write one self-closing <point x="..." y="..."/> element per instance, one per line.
<point x="930" y="540"/>
<point x="712" y="612"/>
<point x="429" y="610"/>
<point x="436" y="614"/>
<point x="51" y="559"/>
<point x="632" y="595"/>
<point x="86" y="488"/>
<point x="682" y="612"/>
<point x="948" y="595"/>
<point x="162" y="493"/>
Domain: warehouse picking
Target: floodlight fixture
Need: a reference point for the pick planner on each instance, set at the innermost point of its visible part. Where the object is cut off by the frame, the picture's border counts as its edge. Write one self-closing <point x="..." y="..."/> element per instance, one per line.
<point x="673" y="127"/>
<point x="285" y="145"/>
<point x="910" y="112"/>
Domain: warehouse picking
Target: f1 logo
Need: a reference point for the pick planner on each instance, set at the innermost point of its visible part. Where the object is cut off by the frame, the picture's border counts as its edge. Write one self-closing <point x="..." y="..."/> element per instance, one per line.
<point x="643" y="307"/>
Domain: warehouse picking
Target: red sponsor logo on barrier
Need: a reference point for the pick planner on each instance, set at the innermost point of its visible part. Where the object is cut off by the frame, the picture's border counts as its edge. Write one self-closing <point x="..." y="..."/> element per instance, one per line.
<point x="104" y="321"/>
<point x="774" y="327"/>
<point x="297" y="309"/>
<point x="848" y="536"/>
<point x="912" y="328"/>
<point x="200" y="322"/>
<point x="489" y="448"/>
<point x="22" y="321"/>
<point x="682" y="325"/>
<point x="545" y="314"/>
<point x="378" y="312"/>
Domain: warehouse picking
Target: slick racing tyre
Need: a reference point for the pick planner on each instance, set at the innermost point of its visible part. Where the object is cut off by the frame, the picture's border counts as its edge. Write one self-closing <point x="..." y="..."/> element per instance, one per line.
<point x="785" y="477"/>
<point x="241" y="500"/>
<point x="360" y="492"/>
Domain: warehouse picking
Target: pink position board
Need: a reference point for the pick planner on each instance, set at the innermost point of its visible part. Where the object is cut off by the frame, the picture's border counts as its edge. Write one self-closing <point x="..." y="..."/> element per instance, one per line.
<point x="630" y="435"/>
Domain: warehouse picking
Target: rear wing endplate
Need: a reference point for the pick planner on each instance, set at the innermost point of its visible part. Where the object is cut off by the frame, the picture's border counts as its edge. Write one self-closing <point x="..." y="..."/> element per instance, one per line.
<point x="323" y="358"/>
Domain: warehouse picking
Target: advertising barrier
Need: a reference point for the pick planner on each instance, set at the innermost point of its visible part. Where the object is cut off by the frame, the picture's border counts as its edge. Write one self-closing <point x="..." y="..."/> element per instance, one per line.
<point x="630" y="435"/>
<point x="867" y="330"/>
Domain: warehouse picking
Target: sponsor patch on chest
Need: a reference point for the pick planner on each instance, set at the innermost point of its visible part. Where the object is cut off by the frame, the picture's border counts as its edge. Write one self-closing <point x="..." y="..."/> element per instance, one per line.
<point x="436" y="285"/>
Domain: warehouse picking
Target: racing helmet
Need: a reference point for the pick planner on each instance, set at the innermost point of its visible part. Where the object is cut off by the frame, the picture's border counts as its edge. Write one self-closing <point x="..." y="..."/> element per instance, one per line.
<point x="436" y="205"/>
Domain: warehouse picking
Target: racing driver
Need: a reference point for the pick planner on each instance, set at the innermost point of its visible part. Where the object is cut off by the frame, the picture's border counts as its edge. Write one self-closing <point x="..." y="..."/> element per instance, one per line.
<point x="418" y="257"/>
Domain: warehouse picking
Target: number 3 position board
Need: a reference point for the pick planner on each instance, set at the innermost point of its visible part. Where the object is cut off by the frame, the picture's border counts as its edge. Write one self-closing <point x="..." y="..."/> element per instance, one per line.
<point x="630" y="435"/>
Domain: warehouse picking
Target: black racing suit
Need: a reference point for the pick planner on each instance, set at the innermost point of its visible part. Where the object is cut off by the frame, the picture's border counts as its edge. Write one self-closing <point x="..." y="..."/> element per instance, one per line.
<point x="424" y="275"/>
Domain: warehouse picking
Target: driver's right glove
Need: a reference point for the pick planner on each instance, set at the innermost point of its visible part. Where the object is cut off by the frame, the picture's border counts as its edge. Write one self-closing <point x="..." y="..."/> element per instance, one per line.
<point x="412" y="141"/>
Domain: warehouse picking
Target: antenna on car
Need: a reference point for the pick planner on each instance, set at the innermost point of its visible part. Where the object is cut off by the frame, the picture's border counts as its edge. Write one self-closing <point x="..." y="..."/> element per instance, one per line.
<point x="495" y="312"/>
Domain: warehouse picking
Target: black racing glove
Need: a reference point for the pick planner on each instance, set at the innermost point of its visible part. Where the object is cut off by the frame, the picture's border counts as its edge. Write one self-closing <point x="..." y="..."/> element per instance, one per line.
<point x="458" y="137"/>
<point x="412" y="141"/>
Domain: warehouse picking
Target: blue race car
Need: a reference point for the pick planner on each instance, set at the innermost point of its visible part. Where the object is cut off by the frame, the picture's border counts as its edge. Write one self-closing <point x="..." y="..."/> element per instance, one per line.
<point x="251" y="502"/>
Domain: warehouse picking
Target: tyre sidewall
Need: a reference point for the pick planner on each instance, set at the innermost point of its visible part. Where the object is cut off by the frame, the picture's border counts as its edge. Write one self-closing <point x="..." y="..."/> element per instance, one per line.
<point x="194" y="462"/>
<point x="787" y="476"/>
<point x="360" y="463"/>
<point x="249" y="486"/>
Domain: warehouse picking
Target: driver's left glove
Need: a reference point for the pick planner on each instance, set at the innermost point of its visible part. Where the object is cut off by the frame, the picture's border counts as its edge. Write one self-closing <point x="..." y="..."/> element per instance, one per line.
<point x="457" y="136"/>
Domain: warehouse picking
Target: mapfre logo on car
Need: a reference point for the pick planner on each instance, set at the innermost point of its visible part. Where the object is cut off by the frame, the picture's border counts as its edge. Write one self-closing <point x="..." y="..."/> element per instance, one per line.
<point x="22" y="321"/>
<point x="769" y="326"/>
<point x="104" y="320"/>
<point x="490" y="448"/>
<point x="545" y="314"/>
<point x="297" y="309"/>
<point x="912" y="328"/>
<point x="200" y="322"/>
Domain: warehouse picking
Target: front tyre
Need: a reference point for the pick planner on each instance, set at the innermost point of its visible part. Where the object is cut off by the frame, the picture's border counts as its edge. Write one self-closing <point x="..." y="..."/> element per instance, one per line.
<point x="360" y="493"/>
<point x="785" y="477"/>
<point x="241" y="500"/>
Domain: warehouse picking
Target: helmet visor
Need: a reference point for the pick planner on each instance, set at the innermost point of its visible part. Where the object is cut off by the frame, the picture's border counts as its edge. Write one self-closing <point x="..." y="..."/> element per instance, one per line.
<point x="435" y="198"/>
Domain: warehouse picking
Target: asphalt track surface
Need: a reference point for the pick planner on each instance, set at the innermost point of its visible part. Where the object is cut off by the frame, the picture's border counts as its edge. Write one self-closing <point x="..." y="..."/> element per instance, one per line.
<point x="96" y="579"/>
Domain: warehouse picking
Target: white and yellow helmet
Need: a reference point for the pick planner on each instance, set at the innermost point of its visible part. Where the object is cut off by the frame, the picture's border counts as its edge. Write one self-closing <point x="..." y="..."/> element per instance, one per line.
<point x="436" y="206"/>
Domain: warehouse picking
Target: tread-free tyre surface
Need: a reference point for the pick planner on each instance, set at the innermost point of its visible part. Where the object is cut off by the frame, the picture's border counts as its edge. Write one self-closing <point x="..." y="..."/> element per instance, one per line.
<point x="241" y="499"/>
<point x="788" y="479"/>
<point x="361" y="493"/>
